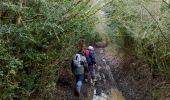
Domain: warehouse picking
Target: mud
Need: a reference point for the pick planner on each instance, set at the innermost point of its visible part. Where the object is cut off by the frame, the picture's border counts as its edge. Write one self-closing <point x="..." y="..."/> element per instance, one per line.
<point x="133" y="76"/>
<point x="105" y="87"/>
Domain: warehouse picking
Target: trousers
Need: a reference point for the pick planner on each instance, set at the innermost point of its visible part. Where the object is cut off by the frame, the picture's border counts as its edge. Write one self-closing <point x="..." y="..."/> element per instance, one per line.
<point x="79" y="80"/>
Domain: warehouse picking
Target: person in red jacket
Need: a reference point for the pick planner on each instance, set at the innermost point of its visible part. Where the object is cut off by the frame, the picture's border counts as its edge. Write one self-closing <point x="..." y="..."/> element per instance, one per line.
<point x="91" y="60"/>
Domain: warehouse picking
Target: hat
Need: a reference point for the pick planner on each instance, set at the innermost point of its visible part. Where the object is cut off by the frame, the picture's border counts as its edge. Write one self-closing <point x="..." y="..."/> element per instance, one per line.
<point x="91" y="48"/>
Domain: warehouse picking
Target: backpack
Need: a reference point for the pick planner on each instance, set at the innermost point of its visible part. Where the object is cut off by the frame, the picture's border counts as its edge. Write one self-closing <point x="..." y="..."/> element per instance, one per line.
<point x="86" y="52"/>
<point x="87" y="55"/>
<point x="77" y="61"/>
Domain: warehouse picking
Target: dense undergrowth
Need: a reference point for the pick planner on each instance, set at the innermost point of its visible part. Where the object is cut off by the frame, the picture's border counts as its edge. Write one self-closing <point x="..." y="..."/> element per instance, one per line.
<point x="141" y="28"/>
<point x="37" y="38"/>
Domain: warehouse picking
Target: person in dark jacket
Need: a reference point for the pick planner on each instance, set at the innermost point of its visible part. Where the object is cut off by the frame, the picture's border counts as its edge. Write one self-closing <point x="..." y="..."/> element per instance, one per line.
<point x="91" y="60"/>
<point x="79" y="70"/>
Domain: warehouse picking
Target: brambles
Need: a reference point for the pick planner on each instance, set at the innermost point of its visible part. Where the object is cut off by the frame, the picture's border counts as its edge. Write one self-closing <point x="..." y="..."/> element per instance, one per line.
<point x="36" y="37"/>
<point x="141" y="28"/>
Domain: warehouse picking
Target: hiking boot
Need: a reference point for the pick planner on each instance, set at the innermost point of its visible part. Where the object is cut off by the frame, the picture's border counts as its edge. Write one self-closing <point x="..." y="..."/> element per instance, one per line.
<point x="95" y="80"/>
<point x="77" y="93"/>
<point x="92" y="82"/>
<point x="86" y="80"/>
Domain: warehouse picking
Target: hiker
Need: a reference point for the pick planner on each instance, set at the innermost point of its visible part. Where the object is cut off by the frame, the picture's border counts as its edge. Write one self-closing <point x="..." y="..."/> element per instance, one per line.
<point x="91" y="60"/>
<point x="79" y="65"/>
<point x="86" y="72"/>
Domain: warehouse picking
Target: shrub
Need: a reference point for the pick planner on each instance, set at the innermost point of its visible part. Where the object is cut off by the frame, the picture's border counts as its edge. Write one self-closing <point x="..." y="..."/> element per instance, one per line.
<point x="36" y="37"/>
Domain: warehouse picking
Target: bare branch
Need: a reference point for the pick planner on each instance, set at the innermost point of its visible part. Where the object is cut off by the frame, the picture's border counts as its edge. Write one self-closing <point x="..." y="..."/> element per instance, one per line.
<point x="73" y="15"/>
<point x="156" y="23"/>
<point x="166" y="3"/>
<point x="98" y="9"/>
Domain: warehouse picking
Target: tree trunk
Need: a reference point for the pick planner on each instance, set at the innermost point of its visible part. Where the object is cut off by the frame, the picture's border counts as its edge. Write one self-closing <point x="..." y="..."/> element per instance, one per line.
<point x="19" y="18"/>
<point x="0" y="13"/>
<point x="18" y="21"/>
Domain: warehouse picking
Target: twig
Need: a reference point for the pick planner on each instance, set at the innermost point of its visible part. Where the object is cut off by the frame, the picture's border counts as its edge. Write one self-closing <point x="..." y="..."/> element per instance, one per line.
<point x="99" y="9"/>
<point x="33" y="18"/>
<point x="72" y="16"/>
<point x="154" y="87"/>
<point x="166" y="3"/>
<point x="156" y="23"/>
<point x="75" y="4"/>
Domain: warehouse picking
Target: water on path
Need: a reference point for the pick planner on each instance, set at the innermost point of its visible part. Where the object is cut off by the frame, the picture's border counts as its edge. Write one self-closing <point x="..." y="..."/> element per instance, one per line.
<point x="109" y="91"/>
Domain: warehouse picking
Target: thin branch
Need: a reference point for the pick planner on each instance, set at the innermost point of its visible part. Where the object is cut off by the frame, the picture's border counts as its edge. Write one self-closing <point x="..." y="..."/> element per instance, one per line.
<point x="99" y="9"/>
<point x="156" y="23"/>
<point x="84" y="17"/>
<point x="72" y="16"/>
<point x="34" y="17"/>
<point x="75" y="4"/>
<point x="166" y="3"/>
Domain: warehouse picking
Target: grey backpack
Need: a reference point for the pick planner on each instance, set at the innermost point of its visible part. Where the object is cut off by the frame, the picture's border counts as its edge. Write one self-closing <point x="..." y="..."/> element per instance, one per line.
<point x="77" y="60"/>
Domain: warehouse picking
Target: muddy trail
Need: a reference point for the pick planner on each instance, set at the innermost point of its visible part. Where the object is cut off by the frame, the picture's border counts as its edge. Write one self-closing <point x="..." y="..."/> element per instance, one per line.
<point x="105" y="87"/>
<point x="118" y="78"/>
<point x="119" y="75"/>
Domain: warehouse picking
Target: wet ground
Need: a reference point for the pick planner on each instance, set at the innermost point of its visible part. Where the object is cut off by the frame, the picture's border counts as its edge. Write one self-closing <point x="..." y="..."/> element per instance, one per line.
<point x="105" y="87"/>
<point x="119" y="77"/>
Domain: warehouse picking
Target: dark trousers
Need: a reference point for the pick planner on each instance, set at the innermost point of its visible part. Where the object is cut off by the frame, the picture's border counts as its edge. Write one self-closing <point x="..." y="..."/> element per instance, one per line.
<point x="91" y="71"/>
<point x="79" y="80"/>
<point x="79" y="77"/>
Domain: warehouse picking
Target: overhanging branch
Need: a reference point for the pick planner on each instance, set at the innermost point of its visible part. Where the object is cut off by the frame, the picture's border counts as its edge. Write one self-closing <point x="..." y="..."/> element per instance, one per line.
<point x="166" y="3"/>
<point x="156" y="23"/>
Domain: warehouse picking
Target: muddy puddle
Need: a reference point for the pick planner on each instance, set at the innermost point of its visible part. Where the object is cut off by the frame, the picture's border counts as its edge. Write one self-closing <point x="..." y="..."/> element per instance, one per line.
<point x="115" y="95"/>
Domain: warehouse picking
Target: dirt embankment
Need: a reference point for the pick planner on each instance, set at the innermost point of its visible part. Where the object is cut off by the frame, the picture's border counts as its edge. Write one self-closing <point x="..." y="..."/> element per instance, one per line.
<point x="133" y="77"/>
<point x="135" y="80"/>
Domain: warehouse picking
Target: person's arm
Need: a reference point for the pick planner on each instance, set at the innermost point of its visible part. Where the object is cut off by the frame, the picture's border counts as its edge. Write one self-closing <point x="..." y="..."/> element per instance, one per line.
<point x="72" y="66"/>
<point x="93" y="58"/>
<point x="85" y="65"/>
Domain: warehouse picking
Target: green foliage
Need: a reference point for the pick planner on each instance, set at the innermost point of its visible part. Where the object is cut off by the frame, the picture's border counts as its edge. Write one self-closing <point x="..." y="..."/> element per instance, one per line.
<point x="33" y="51"/>
<point x="143" y="29"/>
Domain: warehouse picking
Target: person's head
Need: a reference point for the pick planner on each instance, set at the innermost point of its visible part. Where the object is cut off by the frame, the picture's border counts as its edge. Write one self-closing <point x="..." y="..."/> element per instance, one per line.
<point x="90" y="48"/>
<point x="81" y="52"/>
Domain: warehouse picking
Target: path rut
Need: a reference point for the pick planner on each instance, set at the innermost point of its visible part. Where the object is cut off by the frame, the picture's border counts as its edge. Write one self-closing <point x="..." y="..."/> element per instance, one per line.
<point x="105" y="87"/>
